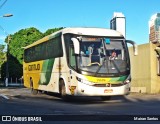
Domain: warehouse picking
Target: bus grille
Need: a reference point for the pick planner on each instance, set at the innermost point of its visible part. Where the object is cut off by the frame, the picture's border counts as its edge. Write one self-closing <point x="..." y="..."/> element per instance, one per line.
<point x="108" y="85"/>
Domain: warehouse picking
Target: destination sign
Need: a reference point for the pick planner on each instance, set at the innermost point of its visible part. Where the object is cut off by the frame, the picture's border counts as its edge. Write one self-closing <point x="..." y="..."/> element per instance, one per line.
<point x="91" y="39"/>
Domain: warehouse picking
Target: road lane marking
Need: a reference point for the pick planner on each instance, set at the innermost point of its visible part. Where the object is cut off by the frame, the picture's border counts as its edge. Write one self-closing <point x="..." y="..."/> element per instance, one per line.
<point x="3" y="96"/>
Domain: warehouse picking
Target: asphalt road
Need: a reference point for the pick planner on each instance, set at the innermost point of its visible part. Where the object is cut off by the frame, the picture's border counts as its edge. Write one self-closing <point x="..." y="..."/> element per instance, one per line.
<point x="19" y="102"/>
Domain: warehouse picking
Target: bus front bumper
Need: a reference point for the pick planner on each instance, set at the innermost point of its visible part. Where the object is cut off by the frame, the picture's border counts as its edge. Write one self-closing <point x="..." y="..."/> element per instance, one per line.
<point x="87" y="90"/>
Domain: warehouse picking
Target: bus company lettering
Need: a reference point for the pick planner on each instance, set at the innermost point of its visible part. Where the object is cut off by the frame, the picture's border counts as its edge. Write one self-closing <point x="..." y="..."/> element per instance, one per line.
<point x="101" y="80"/>
<point x="33" y="67"/>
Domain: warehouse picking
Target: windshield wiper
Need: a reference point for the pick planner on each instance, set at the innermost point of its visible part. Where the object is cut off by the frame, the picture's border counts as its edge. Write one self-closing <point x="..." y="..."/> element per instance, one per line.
<point x="114" y="64"/>
<point x="99" y="68"/>
<point x="105" y="59"/>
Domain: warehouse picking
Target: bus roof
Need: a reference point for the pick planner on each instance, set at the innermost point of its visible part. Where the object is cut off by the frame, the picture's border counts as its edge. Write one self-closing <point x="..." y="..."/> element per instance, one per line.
<point x="93" y="31"/>
<point x="80" y="31"/>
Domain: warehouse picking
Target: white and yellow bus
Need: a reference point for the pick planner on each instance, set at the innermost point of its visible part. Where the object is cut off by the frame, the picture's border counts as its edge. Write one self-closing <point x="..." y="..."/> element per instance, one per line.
<point x="79" y="62"/>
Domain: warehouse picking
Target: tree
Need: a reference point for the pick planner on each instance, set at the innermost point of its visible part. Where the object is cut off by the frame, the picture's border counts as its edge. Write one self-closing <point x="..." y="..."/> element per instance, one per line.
<point x="2" y="54"/>
<point x="19" y="40"/>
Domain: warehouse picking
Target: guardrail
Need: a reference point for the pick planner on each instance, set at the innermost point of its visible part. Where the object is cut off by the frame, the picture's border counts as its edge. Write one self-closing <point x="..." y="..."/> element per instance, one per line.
<point x="16" y="83"/>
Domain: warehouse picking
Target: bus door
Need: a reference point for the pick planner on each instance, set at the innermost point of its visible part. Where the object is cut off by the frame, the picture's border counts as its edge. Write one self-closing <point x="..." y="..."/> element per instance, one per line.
<point x="73" y="68"/>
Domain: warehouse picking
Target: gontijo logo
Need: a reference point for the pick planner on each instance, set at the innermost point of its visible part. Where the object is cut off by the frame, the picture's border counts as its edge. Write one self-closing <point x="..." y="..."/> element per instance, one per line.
<point x="33" y="67"/>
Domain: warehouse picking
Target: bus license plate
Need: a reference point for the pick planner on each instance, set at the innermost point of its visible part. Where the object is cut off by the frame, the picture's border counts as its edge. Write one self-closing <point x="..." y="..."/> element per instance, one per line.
<point x="108" y="90"/>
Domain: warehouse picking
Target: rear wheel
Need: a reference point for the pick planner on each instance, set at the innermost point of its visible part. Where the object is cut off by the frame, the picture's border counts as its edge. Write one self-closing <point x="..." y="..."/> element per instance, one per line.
<point x="33" y="91"/>
<point x="105" y="98"/>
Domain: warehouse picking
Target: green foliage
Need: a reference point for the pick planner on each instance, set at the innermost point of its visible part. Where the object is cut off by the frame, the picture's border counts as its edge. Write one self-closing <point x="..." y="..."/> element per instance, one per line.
<point x="17" y="41"/>
<point x="2" y="55"/>
<point x="21" y="39"/>
<point x="14" y="69"/>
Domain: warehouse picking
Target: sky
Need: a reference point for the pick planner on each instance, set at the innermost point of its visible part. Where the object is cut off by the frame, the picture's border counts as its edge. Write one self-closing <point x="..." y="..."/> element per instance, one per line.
<point x="47" y="14"/>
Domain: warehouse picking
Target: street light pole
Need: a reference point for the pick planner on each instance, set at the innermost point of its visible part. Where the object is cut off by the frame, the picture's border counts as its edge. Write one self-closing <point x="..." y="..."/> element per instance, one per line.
<point x="8" y="40"/>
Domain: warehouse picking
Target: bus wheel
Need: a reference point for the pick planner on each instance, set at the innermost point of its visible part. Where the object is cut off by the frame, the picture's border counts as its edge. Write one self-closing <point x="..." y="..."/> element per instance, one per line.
<point x="105" y="98"/>
<point x="33" y="91"/>
<point x="62" y="90"/>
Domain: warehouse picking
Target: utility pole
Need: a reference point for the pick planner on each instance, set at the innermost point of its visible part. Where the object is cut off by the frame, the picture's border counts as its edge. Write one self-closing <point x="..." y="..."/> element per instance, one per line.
<point x="7" y="56"/>
<point x="8" y="40"/>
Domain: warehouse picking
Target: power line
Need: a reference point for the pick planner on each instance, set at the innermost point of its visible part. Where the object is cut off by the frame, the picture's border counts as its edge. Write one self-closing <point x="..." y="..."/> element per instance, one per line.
<point x="2" y="3"/>
<point x="3" y="30"/>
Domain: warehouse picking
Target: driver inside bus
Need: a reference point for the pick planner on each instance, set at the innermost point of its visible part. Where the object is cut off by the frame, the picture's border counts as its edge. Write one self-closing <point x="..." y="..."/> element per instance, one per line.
<point x="113" y="55"/>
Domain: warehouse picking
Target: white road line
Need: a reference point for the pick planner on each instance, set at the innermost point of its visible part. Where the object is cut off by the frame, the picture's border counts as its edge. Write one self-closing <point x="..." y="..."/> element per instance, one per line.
<point x="3" y="96"/>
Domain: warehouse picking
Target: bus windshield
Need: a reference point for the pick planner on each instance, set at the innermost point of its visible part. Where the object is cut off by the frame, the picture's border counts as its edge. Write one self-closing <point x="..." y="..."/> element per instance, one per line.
<point x="102" y="56"/>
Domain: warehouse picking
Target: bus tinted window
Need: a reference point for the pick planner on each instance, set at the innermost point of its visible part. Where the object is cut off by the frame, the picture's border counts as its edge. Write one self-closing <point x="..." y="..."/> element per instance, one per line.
<point x="45" y="50"/>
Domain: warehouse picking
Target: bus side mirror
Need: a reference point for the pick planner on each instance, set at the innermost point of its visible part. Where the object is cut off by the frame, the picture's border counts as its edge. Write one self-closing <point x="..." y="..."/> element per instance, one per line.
<point x="135" y="47"/>
<point x="76" y="45"/>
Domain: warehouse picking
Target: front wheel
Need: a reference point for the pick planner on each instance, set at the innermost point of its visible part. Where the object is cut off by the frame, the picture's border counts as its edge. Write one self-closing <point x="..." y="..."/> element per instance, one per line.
<point x="105" y="98"/>
<point x="62" y="90"/>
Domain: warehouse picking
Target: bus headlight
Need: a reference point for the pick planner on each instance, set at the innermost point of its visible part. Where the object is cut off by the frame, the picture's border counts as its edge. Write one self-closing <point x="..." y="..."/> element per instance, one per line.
<point x="85" y="81"/>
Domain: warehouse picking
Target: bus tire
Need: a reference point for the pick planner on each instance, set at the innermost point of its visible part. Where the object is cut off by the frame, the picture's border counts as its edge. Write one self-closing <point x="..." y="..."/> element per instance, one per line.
<point x="105" y="98"/>
<point x="33" y="91"/>
<point x="62" y="90"/>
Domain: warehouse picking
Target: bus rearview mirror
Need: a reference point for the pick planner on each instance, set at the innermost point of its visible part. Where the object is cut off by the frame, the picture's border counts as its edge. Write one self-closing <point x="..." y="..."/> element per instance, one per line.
<point x="135" y="47"/>
<point x="76" y="45"/>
